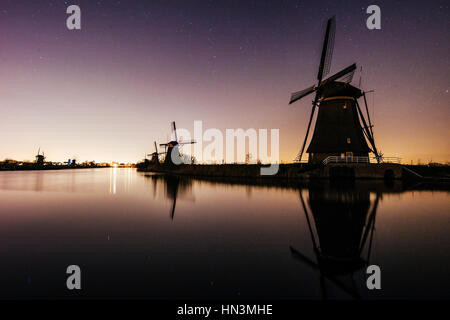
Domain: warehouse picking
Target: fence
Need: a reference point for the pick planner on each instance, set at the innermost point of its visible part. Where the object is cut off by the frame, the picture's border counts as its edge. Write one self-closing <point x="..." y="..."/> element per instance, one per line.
<point x="348" y="159"/>
<point x="351" y="159"/>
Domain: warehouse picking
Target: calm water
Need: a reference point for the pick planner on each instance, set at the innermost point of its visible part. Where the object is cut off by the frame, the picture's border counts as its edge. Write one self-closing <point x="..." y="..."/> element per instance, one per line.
<point x="158" y="237"/>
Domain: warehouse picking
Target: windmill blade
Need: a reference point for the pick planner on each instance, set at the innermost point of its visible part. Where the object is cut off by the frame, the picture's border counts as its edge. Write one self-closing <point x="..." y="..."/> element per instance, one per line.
<point x="300" y="94"/>
<point x="347" y="78"/>
<point x="369" y="226"/>
<point x="372" y="228"/>
<point x="300" y="154"/>
<point x="368" y="113"/>
<point x="327" y="49"/>
<point x="339" y="75"/>
<point x="156" y="148"/>
<point x="174" y="203"/>
<point x="174" y="130"/>
<point x="311" y="233"/>
<point x="301" y="257"/>
<point x="172" y="210"/>
<point x="360" y="76"/>
<point x="163" y="144"/>
<point x="187" y="142"/>
<point x="366" y="129"/>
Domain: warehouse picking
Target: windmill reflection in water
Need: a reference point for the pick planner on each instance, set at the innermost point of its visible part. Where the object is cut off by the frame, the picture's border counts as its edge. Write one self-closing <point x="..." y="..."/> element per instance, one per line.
<point x="341" y="224"/>
<point x="174" y="186"/>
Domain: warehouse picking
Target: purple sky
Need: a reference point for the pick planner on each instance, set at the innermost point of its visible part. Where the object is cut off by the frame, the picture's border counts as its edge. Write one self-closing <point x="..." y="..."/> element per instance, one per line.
<point x="106" y="92"/>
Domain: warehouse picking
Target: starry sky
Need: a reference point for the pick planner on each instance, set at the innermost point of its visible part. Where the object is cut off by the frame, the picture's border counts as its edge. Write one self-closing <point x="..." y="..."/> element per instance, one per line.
<point x="107" y="91"/>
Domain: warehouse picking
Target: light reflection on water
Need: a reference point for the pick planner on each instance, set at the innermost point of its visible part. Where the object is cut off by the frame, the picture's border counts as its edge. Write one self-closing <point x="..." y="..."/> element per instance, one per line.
<point x="171" y="237"/>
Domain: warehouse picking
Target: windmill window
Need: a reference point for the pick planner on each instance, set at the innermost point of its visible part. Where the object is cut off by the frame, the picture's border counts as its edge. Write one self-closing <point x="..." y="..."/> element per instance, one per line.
<point x="349" y="140"/>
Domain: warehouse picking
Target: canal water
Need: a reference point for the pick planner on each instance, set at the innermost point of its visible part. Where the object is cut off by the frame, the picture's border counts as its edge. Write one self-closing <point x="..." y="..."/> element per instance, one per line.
<point x="159" y="237"/>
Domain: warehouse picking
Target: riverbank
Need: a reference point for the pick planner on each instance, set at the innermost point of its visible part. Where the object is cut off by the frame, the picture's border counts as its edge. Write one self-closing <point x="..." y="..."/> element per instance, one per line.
<point x="33" y="166"/>
<point x="304" y="171"/>
<point x="286" y="171"/>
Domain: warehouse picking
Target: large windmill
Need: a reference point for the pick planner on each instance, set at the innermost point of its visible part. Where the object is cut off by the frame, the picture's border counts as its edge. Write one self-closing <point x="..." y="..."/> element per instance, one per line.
<point x="338" y="130"/>
<point x="155" y="155"/>
<point x="172" y="147"/>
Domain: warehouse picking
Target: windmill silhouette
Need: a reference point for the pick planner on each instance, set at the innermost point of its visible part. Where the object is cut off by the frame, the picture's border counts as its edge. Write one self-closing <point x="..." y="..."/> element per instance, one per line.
<point x="40" y="158"/>
<point x="155" y="155"/>
<point x="172" y="147"/>
<point x="338" y="130"/>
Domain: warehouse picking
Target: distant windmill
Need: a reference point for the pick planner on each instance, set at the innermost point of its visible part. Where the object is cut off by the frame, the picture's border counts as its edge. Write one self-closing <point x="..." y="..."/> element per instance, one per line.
<point x="172" y="147"/>
<point x="40" y="158"/>
<point x="155" y="155"/>
<point x="338" y="130"/>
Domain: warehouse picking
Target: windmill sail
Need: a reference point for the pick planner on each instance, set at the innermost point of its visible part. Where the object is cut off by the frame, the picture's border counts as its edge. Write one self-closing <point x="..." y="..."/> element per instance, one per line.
<point x="300" y="94"/>
<point x="174" y="130"/>
<point x="327" y="49"/>
<point x="324" y="68"/>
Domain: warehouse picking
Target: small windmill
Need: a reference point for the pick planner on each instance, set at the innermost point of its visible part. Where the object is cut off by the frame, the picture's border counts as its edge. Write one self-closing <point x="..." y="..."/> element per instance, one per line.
<point x="155" y="155"/>
<point x="338" y="130"/>
<point x="172" y="147"/>
<point x="40" y="158"/>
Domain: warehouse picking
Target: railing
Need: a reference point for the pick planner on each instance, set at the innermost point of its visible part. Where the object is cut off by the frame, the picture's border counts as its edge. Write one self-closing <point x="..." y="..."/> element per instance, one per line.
<point x="352" y="159"/>
<point x="346" y="159"/>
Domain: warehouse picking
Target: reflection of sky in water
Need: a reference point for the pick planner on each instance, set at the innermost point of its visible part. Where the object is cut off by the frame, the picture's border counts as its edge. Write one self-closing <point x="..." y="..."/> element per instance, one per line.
<point x="158" y="237"/>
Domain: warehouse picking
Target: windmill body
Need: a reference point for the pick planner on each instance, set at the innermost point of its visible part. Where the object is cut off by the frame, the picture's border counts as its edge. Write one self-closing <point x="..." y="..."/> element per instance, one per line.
<point x="172" y="152"/>
<point x="338" y="130"/>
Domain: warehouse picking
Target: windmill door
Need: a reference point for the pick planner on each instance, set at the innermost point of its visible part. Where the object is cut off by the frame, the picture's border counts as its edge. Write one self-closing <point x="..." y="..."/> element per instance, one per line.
<point x="349" y="156"/>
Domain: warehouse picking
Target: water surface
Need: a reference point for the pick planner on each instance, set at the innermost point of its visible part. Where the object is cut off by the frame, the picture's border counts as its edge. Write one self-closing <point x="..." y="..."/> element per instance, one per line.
<point x="157" y="237"/>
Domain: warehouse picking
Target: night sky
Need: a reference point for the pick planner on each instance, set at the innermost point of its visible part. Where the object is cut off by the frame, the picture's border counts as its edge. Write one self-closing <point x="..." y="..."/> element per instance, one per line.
<point x="107" y="91"/>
